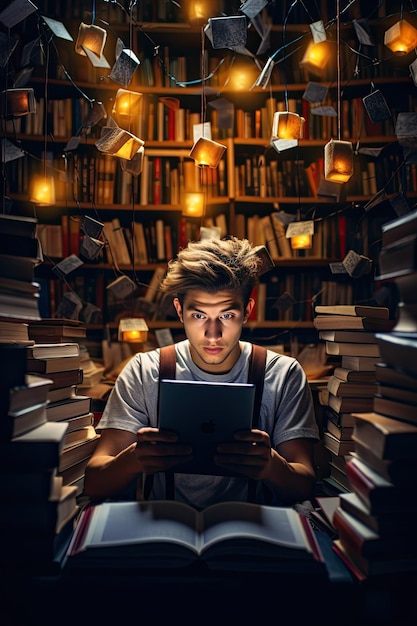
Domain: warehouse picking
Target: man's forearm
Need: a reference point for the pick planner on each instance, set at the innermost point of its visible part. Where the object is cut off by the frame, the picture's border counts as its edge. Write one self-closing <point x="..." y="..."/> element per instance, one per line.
<point x="105" y="475"/>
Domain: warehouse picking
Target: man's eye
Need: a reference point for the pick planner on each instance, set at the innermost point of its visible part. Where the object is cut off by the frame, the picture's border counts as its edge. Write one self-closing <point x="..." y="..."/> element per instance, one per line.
<point x="198" y="316"/>
<point x="227" y="316"/>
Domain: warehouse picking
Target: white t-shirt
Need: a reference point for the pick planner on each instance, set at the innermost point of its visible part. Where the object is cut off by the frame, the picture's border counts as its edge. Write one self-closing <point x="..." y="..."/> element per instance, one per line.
<point x="287" y="412"/>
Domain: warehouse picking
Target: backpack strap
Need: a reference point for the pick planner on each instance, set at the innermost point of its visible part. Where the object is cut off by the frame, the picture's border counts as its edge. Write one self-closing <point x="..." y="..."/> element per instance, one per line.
<point x="256" y="376"/>
<point x="167" y="365"/>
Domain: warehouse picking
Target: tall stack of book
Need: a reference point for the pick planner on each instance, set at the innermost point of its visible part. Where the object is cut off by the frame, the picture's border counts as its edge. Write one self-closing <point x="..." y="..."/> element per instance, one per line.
<point x="20" y="252"/>
<point x="38" y="510"/>
<point x="376" y="523"/>
<point x="345" y="329"/>
<point x="61" y="363"/>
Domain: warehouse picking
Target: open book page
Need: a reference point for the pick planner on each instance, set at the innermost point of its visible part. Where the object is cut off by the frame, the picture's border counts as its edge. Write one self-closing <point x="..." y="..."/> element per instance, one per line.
<point x="228" y="536"/>
<point x="117" y="524"/>
<point x="280" y="526"/>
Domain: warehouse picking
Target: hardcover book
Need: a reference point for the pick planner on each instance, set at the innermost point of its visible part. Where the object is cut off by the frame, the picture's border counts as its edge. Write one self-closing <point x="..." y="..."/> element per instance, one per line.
<point x="226" y="536"/>
<point x="387" y="438"/>
<point x="357" y="310"/>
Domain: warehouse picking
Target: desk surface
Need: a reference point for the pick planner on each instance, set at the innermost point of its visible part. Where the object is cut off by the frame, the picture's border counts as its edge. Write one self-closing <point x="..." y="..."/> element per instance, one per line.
<point x="198" y="597"/>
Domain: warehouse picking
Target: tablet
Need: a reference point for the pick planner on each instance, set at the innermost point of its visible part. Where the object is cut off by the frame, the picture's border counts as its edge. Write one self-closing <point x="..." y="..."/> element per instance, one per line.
<point x="204" y="414"/>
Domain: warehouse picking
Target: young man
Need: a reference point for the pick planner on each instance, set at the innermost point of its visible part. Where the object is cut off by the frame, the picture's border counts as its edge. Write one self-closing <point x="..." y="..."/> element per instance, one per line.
<point x="211" y="282"/>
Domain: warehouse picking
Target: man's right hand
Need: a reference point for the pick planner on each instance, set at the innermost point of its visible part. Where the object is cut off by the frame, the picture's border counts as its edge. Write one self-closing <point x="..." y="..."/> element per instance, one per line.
<point x="158" y="450"/>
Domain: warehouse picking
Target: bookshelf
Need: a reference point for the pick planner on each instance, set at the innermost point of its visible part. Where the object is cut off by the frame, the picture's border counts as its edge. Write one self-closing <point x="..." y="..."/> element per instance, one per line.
<point x="252" y="181"/>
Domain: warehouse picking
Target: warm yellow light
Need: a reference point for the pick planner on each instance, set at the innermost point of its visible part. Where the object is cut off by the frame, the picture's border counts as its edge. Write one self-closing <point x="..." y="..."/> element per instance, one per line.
<point x="91" y="37"/>
<point x="18" y="102"/>
<point x="301" y="242"/>
<point x="316" y="57"/>
<point x="401" y="38"/>
<point x="338" y="161"/>
<point x="126" y="102"/>
<point x="198" y="11"/>
<point x="119" y="142"/>
<point x="134" y="336"/>
<point x="287" y="125"/>
<point x="135" y="165"/>
<point x="42" y="190"/>
<point x="133" y="330"/>
<point x="242" y="76"/>
<point x="193" y="204"/>
<point x="206" y="152"/>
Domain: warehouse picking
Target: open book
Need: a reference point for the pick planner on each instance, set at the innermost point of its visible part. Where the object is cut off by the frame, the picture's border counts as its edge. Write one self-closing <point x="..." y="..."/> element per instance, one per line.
<point x="228" y="536"/>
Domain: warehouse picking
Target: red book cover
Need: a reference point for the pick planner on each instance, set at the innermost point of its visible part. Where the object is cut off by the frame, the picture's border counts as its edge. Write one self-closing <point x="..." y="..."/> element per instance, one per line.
<point x="342" y="236"/>
<point x="157" y="182"/>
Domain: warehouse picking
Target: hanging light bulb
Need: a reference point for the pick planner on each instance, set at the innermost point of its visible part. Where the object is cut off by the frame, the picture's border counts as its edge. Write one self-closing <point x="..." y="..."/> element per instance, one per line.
<point x="242" y="75"/>
<point x="126" y="102"/>
<point x="338" y="161"/>
<point x="91" y="37"/>
<point x="401" y="38"/>
<point x="17" y="102"/>
<point x="133" y="330"/>
<point x="198" y="11"/>
<point x="300" y="234"/>
<point x="207" y="152"/>
<point x="118" y="142"/>
<point x="287" y="125"/>
<point x="316" y="57"/>
<point x="42" y="190"/>
<point x="193" y="204"/>
<point x="301" y="242"/>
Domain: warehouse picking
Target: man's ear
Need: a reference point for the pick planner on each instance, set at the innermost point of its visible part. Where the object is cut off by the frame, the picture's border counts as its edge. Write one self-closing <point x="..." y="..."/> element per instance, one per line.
<point x="178" y="309"/>
<point x="248" y="309"/>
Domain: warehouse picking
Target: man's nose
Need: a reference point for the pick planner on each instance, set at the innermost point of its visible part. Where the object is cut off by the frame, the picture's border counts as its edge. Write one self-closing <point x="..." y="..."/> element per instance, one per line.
<point x="213" y="328"/>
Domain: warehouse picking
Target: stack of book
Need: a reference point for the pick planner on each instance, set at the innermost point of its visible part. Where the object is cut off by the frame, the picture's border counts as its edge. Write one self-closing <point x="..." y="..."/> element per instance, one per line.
<point x="376" y="522"/>
<point x="20" y="252"/>
<point x="93" y="371"/>
<point x="61" y="363"/>
<point x="38" y="510"/>
<point x="351" y="387"/>
<point x="57" y="330"/>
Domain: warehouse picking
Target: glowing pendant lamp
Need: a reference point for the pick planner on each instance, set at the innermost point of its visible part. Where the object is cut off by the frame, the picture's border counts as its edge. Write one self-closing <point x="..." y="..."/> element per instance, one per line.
<point x="193" y="204"/>
<point x="287" y="125"/>
<point x="206" y="152"/>
<point x="91" y="37"/>
<point x="316" y="57"/>
<point x="126" y="103"/>
<point x="133" y="330"/>
<point x="338" y="161"/>
<point x="401" y="38"/>
<point x="42" y="190"/>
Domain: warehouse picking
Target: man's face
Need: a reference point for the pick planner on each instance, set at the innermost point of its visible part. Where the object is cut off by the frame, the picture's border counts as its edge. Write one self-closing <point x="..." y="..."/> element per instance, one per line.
<point x="213" y="325"/>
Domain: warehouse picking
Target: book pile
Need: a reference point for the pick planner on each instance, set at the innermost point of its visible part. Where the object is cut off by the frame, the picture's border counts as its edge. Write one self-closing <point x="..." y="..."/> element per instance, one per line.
<point x="61" y="364"/>
<point x="57" y="330"/>
<point x="376" y="523"/>
<point x="351" y="387"/>
<point x="38" y="509"/>
<point x="93" y="371"/>
<point x="20" y="252"/>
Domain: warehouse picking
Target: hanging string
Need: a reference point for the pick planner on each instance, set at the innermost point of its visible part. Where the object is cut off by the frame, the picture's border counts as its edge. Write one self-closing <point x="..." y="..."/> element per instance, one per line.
<point x="338" y="68"/>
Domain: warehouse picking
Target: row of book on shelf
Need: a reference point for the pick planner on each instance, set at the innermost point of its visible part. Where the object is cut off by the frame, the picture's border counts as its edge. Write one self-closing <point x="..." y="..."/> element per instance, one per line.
<point x="370" y="411"/>
<point x="155" y="238"/>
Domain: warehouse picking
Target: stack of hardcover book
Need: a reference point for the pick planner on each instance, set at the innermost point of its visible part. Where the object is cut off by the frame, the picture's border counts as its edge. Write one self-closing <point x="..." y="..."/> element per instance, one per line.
<point x="20" y="252"/>
<point x="61" y="363"/>
<point x="351" y="387"/>
<point x="38" y="509"/>
<point x="376" y="521"/>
